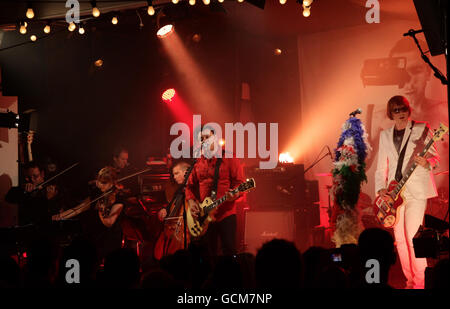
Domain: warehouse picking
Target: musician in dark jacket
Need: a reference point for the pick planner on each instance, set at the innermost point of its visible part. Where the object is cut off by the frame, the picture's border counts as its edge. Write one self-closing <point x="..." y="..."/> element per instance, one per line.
<point x="36" y="204"/>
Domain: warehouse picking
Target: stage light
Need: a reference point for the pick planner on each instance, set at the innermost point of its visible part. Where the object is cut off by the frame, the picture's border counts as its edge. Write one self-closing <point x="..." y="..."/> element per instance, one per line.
<point x="71" y="27"/>
<point x="95" y="10"/>
<point x="30" y="13"/>
<point x="285" y="157"/>
<point x="33" y="38"/>
<point x="165" y="31"/>
<point x="192" y="2"/>
<point x="114" y="20"/>
<point x="206" y="2"/>
<point x="9" y="120"/>
<point x="168" y="95"/>
<point x="277" y="51"/>
<point x="98" y="63"/>
<point x="283" y="2"/>
<point x="47" y="29"/>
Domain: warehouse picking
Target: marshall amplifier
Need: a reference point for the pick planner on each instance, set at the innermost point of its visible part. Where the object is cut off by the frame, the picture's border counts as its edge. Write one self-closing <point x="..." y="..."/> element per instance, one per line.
<point x="263" y="226"/>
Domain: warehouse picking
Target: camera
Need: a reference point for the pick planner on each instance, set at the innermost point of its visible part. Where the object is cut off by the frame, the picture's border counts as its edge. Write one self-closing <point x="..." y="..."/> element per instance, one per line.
<point x="385" y="71"/>
<point x="336" y="257"/>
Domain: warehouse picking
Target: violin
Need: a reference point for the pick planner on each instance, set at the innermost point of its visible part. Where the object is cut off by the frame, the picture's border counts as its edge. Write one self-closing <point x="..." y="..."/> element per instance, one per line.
<point x="107" y="200"/>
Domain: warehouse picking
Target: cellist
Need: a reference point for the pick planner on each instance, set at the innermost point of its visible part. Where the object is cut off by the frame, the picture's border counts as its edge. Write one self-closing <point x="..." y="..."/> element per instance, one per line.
<point x="172" y="236"/>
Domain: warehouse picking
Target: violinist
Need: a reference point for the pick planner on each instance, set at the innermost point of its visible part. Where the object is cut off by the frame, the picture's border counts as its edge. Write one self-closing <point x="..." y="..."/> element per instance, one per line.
<point x="102" y="220"/>
<point x="36" y="203"/>
<point x="101" y="213"/>
<point x="129" y="188"/>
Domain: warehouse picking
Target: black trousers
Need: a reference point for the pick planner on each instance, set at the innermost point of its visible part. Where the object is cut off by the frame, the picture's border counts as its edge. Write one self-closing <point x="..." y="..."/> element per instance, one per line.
<point x="223" y="231"/>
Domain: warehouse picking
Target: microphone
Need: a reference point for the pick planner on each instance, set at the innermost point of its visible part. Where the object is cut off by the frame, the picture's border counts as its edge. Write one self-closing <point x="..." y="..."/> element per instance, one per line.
<point x="412" y="32"/>
<point x="358" y="111"/>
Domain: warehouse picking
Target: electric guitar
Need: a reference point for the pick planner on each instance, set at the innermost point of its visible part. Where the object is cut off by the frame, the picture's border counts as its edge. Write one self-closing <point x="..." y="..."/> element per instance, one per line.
<point x="197" y="227"/>
<point x="387" y="210"/>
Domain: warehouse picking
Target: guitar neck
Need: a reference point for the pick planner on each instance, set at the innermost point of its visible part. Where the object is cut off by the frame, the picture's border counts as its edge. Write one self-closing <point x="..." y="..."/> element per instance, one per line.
<point x="219" y="201"/>
<point x="409" y="172"/>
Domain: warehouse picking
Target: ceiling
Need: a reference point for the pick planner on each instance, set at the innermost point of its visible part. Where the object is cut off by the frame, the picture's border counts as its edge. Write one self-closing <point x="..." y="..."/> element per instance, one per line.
<point x="274" y="20"/>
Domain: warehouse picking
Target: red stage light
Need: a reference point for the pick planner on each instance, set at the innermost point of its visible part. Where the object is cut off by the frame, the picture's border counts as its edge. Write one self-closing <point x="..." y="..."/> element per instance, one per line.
<point x="168" y="95"/>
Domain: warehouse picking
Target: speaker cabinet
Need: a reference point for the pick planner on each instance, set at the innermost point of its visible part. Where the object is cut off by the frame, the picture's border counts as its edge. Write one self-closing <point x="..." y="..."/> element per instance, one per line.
<point x="282" y="187"/>
<point x="263" y="226"/>
<point x="431" y="16"/>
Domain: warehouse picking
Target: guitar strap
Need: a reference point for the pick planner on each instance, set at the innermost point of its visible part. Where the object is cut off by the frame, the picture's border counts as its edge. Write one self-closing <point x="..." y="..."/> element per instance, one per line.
<point x="216" y="179"/>
<point x="421" y="142"/>
<point x="398" y="172"/>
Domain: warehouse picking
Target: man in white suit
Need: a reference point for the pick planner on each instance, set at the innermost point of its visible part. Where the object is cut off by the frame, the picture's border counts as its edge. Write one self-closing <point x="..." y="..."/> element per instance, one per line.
<point x="419" y="187"/>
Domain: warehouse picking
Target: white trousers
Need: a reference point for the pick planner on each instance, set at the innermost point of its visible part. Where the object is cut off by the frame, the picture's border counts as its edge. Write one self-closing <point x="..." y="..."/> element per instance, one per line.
<point x="410" y="218"/>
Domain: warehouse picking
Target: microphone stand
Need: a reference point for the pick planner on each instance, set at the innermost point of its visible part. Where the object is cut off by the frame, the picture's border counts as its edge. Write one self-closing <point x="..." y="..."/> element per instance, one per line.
<point x="317" y="161"/>
<point x="436" y="71"/>
<point x="179" y="191"/>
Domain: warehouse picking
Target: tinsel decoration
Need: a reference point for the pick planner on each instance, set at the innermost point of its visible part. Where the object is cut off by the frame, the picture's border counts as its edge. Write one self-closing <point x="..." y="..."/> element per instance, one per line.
<point x="348" y="175"/>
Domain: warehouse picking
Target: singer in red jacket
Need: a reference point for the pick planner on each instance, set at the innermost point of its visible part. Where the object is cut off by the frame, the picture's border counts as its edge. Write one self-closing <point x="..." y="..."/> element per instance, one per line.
<point x="199" y="187"/>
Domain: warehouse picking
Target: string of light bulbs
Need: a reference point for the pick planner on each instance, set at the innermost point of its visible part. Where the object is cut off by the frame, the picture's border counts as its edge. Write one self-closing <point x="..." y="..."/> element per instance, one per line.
<point x="30" y="14"/>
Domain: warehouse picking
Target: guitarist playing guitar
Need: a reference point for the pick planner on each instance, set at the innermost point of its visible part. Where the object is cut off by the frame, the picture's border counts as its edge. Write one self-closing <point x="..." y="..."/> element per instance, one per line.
<point x="200" y="184"/>
<point x="399" y="149"/>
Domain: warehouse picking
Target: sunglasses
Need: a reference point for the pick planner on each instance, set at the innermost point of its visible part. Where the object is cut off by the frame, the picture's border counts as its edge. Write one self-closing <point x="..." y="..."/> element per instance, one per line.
<point x="400" y="110"/>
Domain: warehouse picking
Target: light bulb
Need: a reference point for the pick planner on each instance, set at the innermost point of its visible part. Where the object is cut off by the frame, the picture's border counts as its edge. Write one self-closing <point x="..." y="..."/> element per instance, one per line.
<point x="306" y="11"/>
<point x="33" y="38"/>
<point x="221" y="1"/>
<point x="283" y="2"/>
<point x="23" y="29"/>
<point x="192" y="2"/>
<point x="47" y="29"/>
<point x="150" y="10"/>
<point x="206" y="2"/>
<point x="30" y="13"/>
<point x="114" y="20"/>
<point x="72" y="27"/>
<point x="81" y="30"/>
<point x="174" y="1"/>
<point x="98" y="63"/>
<point x="240" y="1"/>
<point x="95" y="12"/>
<point x="307" y="2"/>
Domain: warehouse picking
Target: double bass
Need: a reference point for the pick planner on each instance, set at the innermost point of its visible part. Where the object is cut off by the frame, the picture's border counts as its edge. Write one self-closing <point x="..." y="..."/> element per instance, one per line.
<point x="172" y="237"/>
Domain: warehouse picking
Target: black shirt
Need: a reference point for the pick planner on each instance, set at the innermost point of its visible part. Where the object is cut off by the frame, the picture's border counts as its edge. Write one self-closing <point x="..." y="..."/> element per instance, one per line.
<point x="105" y="239"/>
<point x="34" y="208"/>
<point x="398" y="138"/>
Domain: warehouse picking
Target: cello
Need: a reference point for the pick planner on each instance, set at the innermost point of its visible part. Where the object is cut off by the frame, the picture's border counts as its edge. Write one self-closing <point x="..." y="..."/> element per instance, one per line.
<point x="172" y="237"/>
